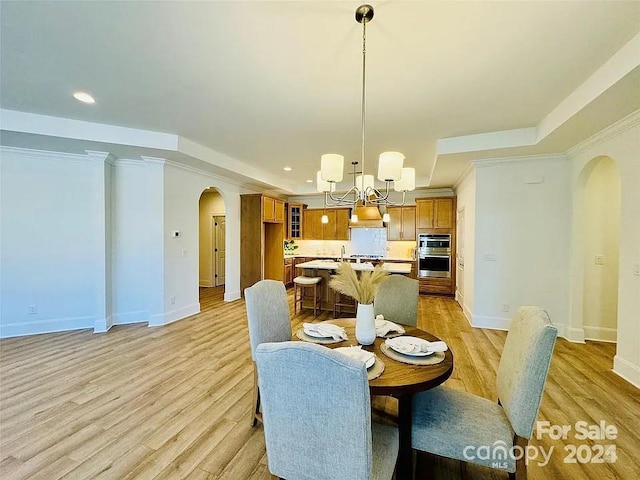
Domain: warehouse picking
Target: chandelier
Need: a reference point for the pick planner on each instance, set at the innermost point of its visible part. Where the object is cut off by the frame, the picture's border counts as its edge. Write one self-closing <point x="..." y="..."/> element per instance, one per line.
<point x="390" y="165"/>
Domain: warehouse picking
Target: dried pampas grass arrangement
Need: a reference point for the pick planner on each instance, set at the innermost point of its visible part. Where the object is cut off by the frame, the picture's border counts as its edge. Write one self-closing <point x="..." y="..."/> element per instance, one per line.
<point x="362" y="289"/>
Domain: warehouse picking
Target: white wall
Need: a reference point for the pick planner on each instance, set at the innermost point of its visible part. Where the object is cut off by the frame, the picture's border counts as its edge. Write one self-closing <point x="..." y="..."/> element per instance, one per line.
<point x="137" y="241"/>
<point x="621" y="143"/>
<point x="87" y="240"/>
<point x="182" y="189"/>
<point x="53" y="218"/>
<point x="466" y="200"/>
<point x="522" y="232"/>
<point x="601" y="237"/>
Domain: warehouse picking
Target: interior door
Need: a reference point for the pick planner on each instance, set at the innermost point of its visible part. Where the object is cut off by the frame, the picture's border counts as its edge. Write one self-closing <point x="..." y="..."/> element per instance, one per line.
<point x="219" y="253"/>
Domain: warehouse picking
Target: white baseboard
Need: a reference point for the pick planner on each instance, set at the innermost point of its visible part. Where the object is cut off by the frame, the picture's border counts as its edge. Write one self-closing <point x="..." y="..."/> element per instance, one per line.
<point x="103" y="325"/>
<point x="231" y="296"/>
<point x="205" y="283"/>
<point x="492" y="323"/>
<point x="468" y="314"/>
<point x="46" y="326"/>
<point x="601" y="334"/>
<point x="174" y="315"/>
<point x="575" y="335"/>
<point x="138" y="316"/>
<point x="626" y="370"/>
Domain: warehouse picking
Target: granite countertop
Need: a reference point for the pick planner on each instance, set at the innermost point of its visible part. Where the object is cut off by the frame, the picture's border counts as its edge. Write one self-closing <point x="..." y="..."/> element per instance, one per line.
<point x="337" y="257"/>
<point x="330" y="265"/>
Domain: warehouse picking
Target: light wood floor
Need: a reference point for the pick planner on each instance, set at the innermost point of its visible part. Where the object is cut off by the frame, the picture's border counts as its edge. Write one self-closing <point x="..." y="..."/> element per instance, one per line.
<point x="173" y="402"/>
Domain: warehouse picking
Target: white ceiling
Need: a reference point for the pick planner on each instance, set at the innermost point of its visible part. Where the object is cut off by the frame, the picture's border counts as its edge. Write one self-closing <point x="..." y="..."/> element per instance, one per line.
<point x="264" y="85"/>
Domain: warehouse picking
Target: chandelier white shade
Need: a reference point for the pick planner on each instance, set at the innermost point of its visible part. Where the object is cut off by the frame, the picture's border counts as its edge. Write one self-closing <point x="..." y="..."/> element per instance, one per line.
<point x="407" y="182"/>
<point x="331" y="166"/>
<point x="323" y="186"/>
<point x="364" y="181"/>
<point x="390" y="164"/>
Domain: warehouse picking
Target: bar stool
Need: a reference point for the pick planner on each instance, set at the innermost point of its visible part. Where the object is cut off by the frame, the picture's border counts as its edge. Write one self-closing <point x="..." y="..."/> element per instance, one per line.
<point x="340" y="301"/>
<point x="303" y="283"/>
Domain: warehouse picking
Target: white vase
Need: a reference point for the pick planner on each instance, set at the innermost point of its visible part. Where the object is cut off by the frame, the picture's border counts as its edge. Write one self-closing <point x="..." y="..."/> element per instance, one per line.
<point x="365" y="324"/>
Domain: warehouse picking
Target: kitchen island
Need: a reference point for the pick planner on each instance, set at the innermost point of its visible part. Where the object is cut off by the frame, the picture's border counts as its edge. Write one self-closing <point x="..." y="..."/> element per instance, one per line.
<point x="400" y="268"/>
<point x="325" y="268"/>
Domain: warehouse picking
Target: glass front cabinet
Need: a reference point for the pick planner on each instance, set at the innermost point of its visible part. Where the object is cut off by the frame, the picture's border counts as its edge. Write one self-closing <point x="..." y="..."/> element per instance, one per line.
<point x="295" y="212"/>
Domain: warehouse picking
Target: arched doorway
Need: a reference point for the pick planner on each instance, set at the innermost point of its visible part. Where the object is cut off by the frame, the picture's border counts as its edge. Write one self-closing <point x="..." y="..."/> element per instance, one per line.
<point x="599" y="232"/>
<point x="212" y="240"/>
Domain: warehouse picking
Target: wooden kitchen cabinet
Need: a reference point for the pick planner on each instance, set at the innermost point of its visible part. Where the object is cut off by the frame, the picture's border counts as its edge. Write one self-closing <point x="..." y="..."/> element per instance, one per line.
<point x="295" y="214"/>
<point x="342" y="223"/>
<point x="436" y="212"/>
<point x="261" y="241"/>
<point x="272" y="210"/>
<point x="328" y="230"/>
<point x="289" y="270"/>
<point x="311" y="225"/>
<point x="402" y="223"/>
<point x="438" y="286"/>
<point x="336" y="229"/>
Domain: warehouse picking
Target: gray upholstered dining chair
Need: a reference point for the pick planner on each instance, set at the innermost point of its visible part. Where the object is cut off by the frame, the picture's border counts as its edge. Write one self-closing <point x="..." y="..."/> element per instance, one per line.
<point x="269" y="321"/>
<point x="454" y="424"/>
<point x="397" y="300"/>
<point x="317" y="417"/>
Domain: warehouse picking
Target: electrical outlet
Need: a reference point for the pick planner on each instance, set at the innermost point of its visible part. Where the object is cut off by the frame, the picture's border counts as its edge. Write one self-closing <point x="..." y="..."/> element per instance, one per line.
<point x="184" y="252"/>
<point x="598" y="259"/>
<point x="172" y="300"/>
<point x="505" y="307"/>
<point x="32" y="309"/>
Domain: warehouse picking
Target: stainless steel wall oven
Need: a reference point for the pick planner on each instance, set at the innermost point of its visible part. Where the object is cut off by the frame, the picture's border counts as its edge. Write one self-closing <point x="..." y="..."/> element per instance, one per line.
<point x="434" y="255"/>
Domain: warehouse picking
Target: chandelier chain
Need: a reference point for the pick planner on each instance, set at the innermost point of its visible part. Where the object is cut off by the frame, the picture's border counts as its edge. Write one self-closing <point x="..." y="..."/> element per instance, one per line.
<point x="364" y="102"/>
<point x="390" y="169"/>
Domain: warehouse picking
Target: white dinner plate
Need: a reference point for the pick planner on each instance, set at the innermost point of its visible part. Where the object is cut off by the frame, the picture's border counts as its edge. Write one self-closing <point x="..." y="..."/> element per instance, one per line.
<point x="316" y="334"/>
<point x="394" y="343"/>
<point x="369" y="363"/>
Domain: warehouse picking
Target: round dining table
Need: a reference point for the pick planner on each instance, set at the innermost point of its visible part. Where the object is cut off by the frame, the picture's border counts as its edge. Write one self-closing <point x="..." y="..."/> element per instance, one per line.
<point x="400" y="380"/>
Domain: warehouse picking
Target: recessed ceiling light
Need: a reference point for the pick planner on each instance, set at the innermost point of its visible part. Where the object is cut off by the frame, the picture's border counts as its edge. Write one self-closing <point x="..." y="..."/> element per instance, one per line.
<point x="287" y="169"/>
<point x="309" y="181"/>
<point x="84" y="97"/>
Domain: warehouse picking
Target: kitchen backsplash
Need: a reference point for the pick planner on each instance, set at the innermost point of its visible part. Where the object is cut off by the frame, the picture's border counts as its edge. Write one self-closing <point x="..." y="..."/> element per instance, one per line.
<point x="364" y="241"/>
<point x="368" y="241"/>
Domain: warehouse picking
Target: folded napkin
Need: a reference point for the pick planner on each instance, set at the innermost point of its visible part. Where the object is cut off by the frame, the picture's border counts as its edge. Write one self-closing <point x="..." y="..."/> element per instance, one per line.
<point x="410" y="346"/>
<point x="326" y="330"/>
<point x="356" y="353"/>
<point x="383" y="327"/>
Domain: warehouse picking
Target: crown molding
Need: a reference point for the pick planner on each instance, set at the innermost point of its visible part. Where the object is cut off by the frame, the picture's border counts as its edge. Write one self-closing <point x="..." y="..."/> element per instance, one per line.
<point x="608" y="133"/>
<point x="105" y="157"/>
<point x="489" y="162"/>
<point x="154" y="160"/>
<point x="89" y="157"/>
<point x="199" y="171"/>
<point x="465" y="173"/>
<point x="129" y="162"/>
